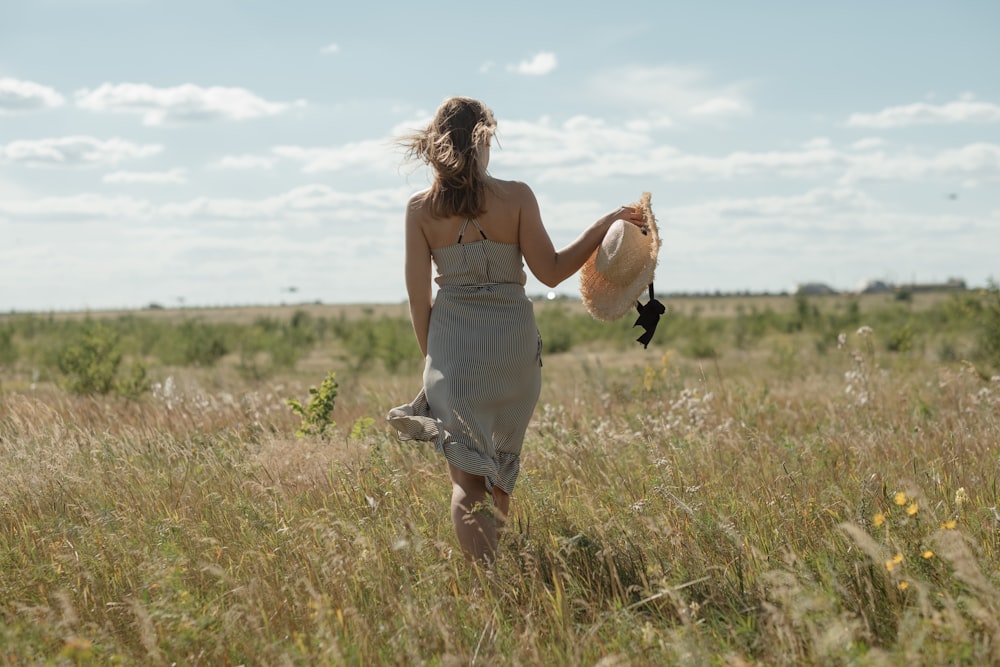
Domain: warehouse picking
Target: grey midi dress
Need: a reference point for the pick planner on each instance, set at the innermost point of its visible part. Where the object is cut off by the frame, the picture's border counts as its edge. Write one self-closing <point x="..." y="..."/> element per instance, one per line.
<point x="482" y="373"/>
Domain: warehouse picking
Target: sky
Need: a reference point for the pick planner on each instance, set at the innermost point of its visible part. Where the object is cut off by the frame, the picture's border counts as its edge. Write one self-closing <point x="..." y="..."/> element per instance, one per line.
<point x="241" y="152"/>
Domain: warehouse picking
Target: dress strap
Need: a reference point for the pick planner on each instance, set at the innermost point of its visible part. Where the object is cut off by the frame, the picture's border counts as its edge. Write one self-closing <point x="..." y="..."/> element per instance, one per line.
<point x="465" y="224"/>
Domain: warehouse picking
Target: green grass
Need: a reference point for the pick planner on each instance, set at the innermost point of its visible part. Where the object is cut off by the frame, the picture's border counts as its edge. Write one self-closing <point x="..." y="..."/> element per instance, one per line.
<point x="781" y="502"/>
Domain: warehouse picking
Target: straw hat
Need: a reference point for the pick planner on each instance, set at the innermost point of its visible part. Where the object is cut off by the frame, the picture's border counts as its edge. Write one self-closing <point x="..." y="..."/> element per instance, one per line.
<point x="622" y="267"/>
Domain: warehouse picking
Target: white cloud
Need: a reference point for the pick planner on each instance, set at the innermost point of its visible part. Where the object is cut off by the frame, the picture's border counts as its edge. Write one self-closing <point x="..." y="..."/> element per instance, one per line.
<point x="720" y="106"/>
<point x="373" y="153"/>
<point x="540" y="64"/>
<point x="921" y="113"/>
<point x="803" y="211"/>
<point x="75" y="151"/>
<point x="980" y="161"/>
<point x="649" y="123"/>
<point x="18" y="95"/>
<point x="10" y="190"/>
<point x="840" y="235"/>
<point x="244" y="162"/>
<point x="587" y="149"/>
<point x="314" y="204"/>
<point x="486" y="67"/>
<point x="85" y="206"/>
<point x="817" y="143"/>
<point x="330" y="49"/>
<point x="308" y="203"/>
<point x="186" y="103"/>
<point x="171" y="177"/>
<point x="580" y="139"/>
<point x="868" y="143"/>
<point x="672" y="90"/>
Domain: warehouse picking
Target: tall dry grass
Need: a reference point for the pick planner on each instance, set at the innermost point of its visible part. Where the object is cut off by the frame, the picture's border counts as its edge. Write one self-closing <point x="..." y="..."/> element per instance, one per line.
<point x="764" y="508"/>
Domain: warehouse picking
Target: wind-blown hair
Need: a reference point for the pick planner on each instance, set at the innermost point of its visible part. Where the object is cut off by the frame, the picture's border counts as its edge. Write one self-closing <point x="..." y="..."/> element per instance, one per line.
<point x="452" y="145"/>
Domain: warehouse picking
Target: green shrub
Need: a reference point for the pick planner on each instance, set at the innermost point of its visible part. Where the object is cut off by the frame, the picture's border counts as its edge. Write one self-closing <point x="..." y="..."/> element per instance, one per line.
<point x="948" y="350"/>
<point x="317" y="413"/>
<point x="201" y="344"/>
<point x="749" y="328"/>
<point x="135" y="383"/>
<point x="388" y="340"/>
<point x="90" y="362"/>
<point x="268" y="345"/>
<point x="700" y="348"/>
<point x="900" y="339"/>
<point x="557" y="329"/>
<point x="988" y="335"/>
<point x="8" y="352"/>
<point x="303" y="329"/>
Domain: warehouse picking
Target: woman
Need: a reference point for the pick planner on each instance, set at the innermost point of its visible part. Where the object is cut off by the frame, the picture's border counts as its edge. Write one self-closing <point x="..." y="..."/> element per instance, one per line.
<point x="482" y="350"/>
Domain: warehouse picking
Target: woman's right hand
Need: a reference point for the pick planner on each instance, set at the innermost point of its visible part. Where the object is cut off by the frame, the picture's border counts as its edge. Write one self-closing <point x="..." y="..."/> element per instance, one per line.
<point x="632" y="214"/>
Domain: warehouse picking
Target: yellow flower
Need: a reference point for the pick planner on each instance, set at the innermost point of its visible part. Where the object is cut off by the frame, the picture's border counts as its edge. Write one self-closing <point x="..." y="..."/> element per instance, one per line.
<point x="949" y="524"/>
<point x="903" y="585"/>
<point x="889" y="565"/>
<point x="927" y="554"/>
<point x="77" y="648"/>
<point x="878" y="519"/>
<point x="898" y="558"/>
<point x="911" y="509"/>
<point x="900" y="498"/>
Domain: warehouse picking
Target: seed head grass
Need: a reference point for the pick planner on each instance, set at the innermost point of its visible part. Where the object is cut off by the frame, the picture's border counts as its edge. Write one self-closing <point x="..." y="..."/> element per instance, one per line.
<point x="741" y="510"/>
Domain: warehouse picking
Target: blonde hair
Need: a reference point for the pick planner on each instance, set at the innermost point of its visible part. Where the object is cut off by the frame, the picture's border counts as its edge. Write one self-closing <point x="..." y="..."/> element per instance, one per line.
<point x="452" y="145"/>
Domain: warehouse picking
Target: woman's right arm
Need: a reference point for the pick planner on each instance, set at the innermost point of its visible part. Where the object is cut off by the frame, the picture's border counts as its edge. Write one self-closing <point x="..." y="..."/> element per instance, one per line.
<point x="418" y="275"/>
<point x="553" y="266"/>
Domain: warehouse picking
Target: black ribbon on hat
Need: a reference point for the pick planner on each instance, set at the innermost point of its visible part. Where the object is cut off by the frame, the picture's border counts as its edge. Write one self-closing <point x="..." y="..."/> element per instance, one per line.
<point x="649" y="317"/>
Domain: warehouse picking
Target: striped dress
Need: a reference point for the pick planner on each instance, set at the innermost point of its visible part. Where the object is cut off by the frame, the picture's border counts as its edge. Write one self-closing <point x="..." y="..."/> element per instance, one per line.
<point x="482" y="374"/>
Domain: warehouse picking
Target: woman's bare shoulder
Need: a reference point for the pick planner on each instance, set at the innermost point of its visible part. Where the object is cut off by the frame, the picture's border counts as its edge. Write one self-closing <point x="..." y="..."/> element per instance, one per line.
<point x="417" y="199"/>
<point x="417" y="209"/>
<point x="511" y="189"/>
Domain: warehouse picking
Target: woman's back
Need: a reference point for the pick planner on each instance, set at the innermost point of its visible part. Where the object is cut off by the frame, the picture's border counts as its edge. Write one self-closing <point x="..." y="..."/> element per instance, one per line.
<point x="499" y="221"/>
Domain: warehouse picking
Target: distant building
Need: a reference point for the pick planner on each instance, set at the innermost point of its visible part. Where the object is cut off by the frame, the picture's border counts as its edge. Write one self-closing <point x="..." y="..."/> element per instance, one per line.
<point x="875" y="287"/>
<point x="813" y="289"/>
<point x="950" y="284"/>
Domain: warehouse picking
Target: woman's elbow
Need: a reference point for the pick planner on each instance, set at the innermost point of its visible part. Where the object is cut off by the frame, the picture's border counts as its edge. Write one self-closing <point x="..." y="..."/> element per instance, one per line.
<point x="550" y="279"/>
<point x="549" y="274"/>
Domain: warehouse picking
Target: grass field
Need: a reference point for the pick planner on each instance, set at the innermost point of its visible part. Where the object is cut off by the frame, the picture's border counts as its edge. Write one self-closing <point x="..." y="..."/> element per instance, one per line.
<point x="753" y="489"/>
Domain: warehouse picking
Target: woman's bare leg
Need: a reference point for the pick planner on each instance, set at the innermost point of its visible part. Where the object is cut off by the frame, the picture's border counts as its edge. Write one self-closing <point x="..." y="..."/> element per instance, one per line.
<point x="474" y="520"/>
<point x="501" y="509"/>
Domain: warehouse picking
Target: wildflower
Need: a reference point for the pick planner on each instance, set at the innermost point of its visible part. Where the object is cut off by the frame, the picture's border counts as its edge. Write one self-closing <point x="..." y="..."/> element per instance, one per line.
<point x="927" y="554"/>
<point x="903" y="585"/>
<point x="949" y="524"/>
<point x="899" y="498"/>
<point x="648" y="634"/>
<point x="865" y="331"/>
<point x="891" y="564"/>
<point x="841" y="341"/>
<point x="912" y="508"/>
<point x="77" y="648"/>
<point x="878" y="519"/>
<point x="961" y="497"/>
